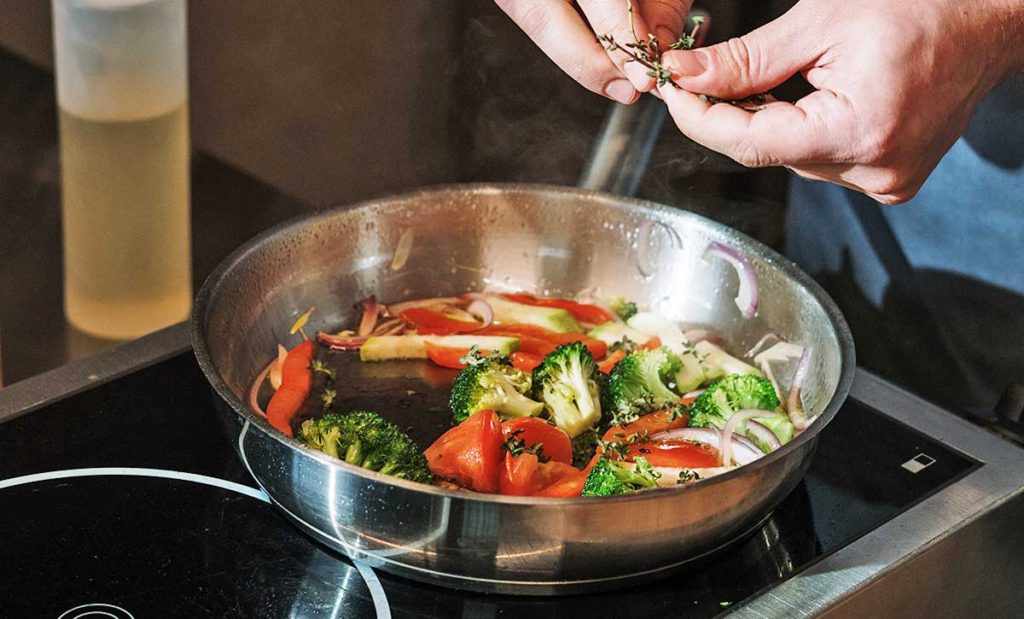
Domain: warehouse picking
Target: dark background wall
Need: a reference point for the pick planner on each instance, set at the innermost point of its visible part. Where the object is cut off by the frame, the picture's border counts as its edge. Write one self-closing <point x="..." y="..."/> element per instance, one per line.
<point x="337" y="101"/>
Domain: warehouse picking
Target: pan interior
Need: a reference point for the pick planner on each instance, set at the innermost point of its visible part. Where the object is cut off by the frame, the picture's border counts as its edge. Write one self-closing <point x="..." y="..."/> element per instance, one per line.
<point x="541" y="240"/>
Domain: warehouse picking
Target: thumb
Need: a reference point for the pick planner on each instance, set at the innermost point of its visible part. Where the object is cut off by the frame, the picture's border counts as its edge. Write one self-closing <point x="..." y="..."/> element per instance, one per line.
<point x="746" y="65"/>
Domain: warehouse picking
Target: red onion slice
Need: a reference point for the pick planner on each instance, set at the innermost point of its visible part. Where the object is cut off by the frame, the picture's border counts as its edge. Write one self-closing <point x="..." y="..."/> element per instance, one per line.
<point x="737" y="418"/>
<point x="252" y="399"/>
<point x="763" y="434"/>
<point x="371" y="311"/>
<point x="794" y="406"/>
<point x="403" y="249"/>
<point x="702" y="335"/>
<point x="645" y="263"/>
<point x="391" y="326"/>
<point x="743" y="450"/>
<point x="783" y="351"/>
<point x="274" y="373"/>
<point x="340" y="342"/>
<point x="483" y="310"/>
<point x="761" y="343"/>
<point x="746" y="297"/>
<point x="397" y="308"/>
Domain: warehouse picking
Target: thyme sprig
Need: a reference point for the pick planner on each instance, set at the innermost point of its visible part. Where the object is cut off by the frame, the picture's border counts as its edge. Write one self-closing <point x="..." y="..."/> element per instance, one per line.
<point x="648" y="53"/>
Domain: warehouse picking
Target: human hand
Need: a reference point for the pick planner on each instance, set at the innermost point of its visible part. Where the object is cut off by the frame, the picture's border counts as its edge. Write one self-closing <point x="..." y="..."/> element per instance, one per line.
<point x="567" y="38"/>
<point x="896" y="84"/>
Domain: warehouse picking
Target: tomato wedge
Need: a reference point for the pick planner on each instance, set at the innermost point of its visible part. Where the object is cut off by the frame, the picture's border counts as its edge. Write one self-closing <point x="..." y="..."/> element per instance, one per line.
<point x="568" y="486"/>
<point x="470" y="453"/>
<point x="609" y="364"/>
<point x="675" y="453"/>
<point x="581" y="311"/>
<point x="431" y="322"/>
<point x="525" y="361"/>
<point x="651" y="424"/>
<point x="296" y="381"/>
<point x="449" y="357"/>
<point x="555" y="443"/>
<point x="519" y="475"/>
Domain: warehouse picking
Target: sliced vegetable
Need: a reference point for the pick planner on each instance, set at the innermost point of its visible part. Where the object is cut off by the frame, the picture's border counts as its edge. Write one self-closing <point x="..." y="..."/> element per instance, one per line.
<point x="612" y="332"/>
<point x="583" y="312"/>
<point x="794" y="405"/>
<point x="746" y="296"/>
<point x="371" y="311"/>
<point x="296" y="381"/>
<point x="525" y="361"/>
<point x="470" y="454"/>
<point x="481" y="309"/>
<point x="449" y="357"/>
<point x="551" y="318"/>
<point x="542" y="342"/>
<point x="555" y="443"/>
<point x="652" y="325"/>
<point x="609" y="363"/>
<point x="432" y="322"/>
<point x="675" y="453"/>
<point x="743" y="450"/>
<point x="274" y="373"/>
<point x="390" y="347"/>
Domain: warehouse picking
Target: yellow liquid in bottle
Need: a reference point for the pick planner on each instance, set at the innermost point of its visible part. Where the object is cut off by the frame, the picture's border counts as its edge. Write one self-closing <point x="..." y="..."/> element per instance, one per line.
<point x="127" y="256"/>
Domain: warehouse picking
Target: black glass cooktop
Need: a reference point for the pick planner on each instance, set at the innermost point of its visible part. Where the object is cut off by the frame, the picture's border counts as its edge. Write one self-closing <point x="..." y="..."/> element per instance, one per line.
<point x="105" y="545"/>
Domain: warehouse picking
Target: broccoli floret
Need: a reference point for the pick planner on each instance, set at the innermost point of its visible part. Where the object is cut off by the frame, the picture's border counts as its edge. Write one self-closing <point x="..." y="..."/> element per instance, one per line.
<point x="492" y="383"/>
<point x="726" y="396"/>
<point x="639" y="384"/>
<point x="608" y="478"/>
<point x="625" y="309"/>
<point x="368" y="440"/>
<point x="566" y="382"/>
<point x="583" y="447"/>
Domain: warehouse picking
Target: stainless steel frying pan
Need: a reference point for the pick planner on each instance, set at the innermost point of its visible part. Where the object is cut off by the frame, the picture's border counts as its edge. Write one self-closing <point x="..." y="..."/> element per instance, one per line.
<point x="548" y="240"/>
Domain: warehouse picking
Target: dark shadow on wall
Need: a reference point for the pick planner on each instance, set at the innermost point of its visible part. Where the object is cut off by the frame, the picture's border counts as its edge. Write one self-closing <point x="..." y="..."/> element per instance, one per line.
<point x="962" y="365"/>
<point x="989" y="135"/>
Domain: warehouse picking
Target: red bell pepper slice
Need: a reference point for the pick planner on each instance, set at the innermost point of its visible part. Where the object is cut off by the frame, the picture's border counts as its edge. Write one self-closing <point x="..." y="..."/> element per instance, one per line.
<point x="449" y="357"/>
<point x="674" y="453"/>
<point x="525" y="361"/>
<point x="296" y="382"/>
<point x="431" y="322"/>
<point x="613" y="359"/>
<point x="584" y="312"/>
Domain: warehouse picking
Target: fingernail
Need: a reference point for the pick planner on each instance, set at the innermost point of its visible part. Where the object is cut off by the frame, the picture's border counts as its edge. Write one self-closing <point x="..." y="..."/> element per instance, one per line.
<point x="685" y="64"/>
<point x="637" y="74"/>
<point x="622" y="91"/>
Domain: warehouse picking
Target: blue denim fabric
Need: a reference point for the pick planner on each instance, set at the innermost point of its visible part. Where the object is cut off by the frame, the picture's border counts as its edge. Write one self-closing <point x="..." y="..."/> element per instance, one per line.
<point x="963" y="236"/>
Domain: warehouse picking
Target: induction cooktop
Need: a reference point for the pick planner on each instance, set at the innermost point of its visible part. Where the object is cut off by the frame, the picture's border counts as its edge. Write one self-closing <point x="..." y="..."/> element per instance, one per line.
<point x="120" y="497"/>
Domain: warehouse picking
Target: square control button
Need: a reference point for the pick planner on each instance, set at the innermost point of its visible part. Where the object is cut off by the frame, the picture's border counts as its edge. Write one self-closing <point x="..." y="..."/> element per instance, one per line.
<point x="918" y="463"/>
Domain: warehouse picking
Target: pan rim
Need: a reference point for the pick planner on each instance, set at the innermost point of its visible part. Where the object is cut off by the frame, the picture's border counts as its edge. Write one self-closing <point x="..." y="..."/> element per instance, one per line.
<point x="214" y="281"/>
